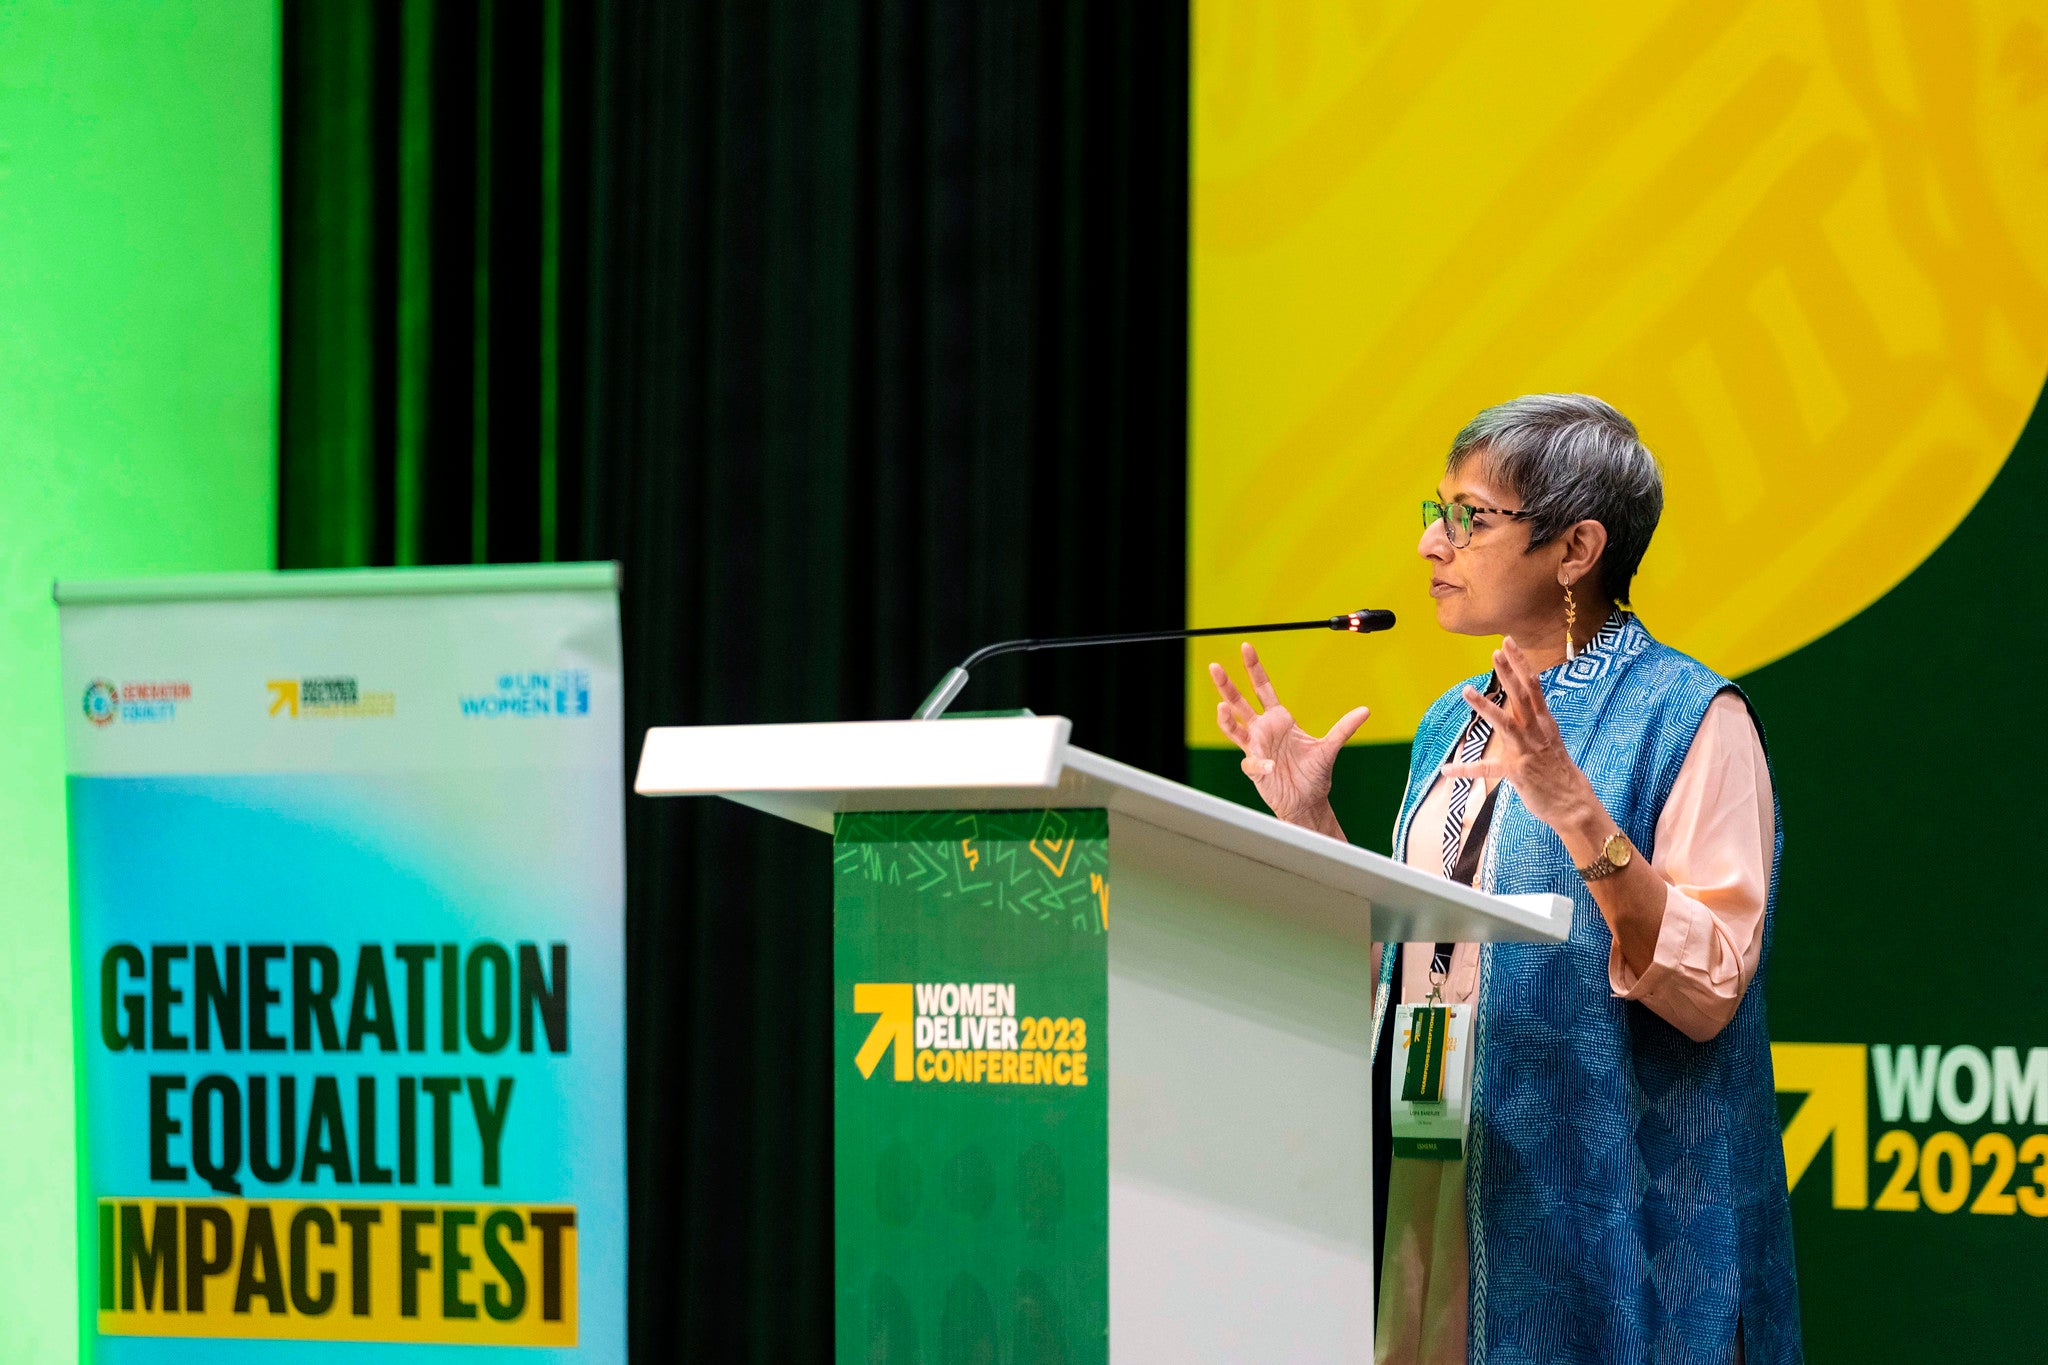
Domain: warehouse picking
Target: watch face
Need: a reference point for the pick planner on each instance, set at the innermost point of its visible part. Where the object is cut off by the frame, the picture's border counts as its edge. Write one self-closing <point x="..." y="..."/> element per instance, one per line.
<point x="1617" y="850"/>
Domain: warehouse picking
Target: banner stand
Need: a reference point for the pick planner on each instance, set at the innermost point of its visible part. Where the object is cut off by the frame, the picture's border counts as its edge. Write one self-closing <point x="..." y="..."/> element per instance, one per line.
<point x="347" y="888"/>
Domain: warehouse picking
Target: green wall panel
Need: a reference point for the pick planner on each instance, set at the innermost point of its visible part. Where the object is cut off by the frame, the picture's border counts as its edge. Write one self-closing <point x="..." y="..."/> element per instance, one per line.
<point x="138" y="397"/>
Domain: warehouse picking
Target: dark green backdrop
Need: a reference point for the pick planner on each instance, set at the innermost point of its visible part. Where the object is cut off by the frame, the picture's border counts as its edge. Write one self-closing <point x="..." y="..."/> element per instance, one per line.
<point x="858" y="333"/>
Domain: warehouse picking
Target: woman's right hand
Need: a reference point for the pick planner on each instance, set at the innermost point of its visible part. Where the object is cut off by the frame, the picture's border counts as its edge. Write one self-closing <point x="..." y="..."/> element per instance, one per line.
<point x="1290" y="767"/>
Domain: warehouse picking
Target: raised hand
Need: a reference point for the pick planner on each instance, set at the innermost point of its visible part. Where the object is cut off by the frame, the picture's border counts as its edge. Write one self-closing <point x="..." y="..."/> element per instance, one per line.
<point x="1527" y="749"/>
<point x="1290" y="767"/>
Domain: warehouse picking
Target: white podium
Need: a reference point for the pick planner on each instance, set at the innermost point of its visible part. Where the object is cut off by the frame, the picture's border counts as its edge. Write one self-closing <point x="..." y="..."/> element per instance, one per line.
<point x="1241" y="974"/>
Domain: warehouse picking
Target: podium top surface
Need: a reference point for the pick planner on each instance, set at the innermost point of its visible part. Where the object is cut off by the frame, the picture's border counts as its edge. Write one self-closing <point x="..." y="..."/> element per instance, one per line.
<point x="810" y="772"/>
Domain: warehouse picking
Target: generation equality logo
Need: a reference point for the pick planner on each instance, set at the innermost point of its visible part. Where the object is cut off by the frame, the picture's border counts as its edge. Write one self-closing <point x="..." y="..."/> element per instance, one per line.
<point x="544" y="692"/>
<point x="137" y="702"/>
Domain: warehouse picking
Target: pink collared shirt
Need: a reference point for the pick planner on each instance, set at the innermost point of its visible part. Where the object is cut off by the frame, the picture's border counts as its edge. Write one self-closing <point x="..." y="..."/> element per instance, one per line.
<point x="1713" y="848"/>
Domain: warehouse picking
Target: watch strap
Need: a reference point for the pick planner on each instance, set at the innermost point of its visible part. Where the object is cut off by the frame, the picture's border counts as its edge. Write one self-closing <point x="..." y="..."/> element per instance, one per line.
<point x="1602" y="866"/>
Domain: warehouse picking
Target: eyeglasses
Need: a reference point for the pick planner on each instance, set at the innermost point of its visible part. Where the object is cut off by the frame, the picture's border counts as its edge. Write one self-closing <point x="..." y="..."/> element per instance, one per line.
<point x="1457" y="518"/>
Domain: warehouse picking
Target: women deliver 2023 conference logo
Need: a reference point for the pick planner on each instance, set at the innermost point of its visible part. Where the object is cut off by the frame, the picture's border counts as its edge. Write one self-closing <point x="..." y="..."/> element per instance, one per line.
<point x="967" y="1031"/>
<point x="137" y="702"/>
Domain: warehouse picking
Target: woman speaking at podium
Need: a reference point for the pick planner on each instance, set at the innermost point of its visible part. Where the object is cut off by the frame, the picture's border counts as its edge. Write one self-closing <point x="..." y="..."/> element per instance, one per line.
<point x="1623" y="1193"/>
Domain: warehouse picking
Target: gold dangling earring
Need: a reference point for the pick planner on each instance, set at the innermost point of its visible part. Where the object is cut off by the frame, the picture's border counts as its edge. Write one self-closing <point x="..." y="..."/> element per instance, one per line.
<point x="1571" y="616"/>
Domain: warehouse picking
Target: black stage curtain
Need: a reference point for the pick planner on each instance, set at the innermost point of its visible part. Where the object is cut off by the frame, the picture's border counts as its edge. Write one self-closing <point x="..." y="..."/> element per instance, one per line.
<point x="857" y="332"/>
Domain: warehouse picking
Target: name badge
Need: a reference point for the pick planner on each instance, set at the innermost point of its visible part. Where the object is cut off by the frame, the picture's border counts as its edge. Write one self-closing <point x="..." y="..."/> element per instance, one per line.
<point x="1428" y="1100"/>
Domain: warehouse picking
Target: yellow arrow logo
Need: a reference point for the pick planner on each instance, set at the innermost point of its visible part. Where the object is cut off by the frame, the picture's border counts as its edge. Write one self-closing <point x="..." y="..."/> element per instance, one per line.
<point x="284" y="692"/>
<point x="894" y="1002"/>
<point x="1837" y="1106"/>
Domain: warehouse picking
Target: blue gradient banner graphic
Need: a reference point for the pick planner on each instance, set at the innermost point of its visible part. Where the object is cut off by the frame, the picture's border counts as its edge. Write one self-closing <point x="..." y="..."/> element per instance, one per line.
<point x="349" y="1009"/>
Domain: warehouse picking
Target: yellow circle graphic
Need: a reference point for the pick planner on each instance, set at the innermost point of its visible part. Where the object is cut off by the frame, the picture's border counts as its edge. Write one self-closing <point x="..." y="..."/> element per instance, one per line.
<point x="1804" y="246"/>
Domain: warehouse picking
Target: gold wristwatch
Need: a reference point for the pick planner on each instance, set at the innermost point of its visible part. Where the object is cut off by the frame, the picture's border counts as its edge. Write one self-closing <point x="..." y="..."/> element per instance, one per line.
<point x="1614" y="856"/>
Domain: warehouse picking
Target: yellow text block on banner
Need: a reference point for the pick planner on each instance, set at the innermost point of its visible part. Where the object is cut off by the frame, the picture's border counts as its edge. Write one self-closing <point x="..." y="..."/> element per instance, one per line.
<point x="339" y="1270"/>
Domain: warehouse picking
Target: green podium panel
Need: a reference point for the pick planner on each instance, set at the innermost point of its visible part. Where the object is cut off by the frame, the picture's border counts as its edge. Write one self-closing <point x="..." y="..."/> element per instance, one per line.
<point x="971" y="1032"/>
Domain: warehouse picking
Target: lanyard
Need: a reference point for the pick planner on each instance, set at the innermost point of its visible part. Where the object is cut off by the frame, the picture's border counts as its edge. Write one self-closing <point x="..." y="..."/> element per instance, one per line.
<point x="1462" y="865"/>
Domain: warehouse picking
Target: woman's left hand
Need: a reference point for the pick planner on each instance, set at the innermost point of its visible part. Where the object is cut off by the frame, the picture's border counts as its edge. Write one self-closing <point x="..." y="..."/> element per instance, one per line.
<point x="1528" y="750"/>
<point x="1530" y="753"/>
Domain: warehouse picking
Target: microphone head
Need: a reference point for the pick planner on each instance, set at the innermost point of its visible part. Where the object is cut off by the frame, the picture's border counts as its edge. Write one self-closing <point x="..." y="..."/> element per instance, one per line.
<point x="1363" y="621"/>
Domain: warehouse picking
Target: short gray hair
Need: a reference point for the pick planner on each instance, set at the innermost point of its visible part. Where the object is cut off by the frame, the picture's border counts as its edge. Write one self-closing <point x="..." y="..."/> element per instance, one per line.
<point x="1571" y="458"/>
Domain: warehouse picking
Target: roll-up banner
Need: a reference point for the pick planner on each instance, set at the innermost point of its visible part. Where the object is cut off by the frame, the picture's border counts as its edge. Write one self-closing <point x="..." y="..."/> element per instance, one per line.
<point x="347" y="884"/>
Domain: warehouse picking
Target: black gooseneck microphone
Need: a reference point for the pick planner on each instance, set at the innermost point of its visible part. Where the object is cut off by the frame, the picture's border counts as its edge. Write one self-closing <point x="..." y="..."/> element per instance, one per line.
<point x="1362" y="622"/>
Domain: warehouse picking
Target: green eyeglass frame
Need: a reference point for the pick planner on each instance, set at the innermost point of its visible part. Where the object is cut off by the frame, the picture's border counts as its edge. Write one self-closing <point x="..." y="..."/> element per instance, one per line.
<point x="1457" y="518"/>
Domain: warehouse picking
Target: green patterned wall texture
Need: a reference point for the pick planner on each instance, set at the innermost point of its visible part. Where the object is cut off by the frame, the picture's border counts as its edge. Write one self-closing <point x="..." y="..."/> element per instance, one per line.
<point x="1909" y="1028"/>
<point x="970" y="1080"/>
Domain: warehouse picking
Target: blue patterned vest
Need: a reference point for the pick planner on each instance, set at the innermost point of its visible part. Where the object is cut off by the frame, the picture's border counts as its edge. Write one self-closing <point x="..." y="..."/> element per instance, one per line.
<point x="1625" y="1190"/>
